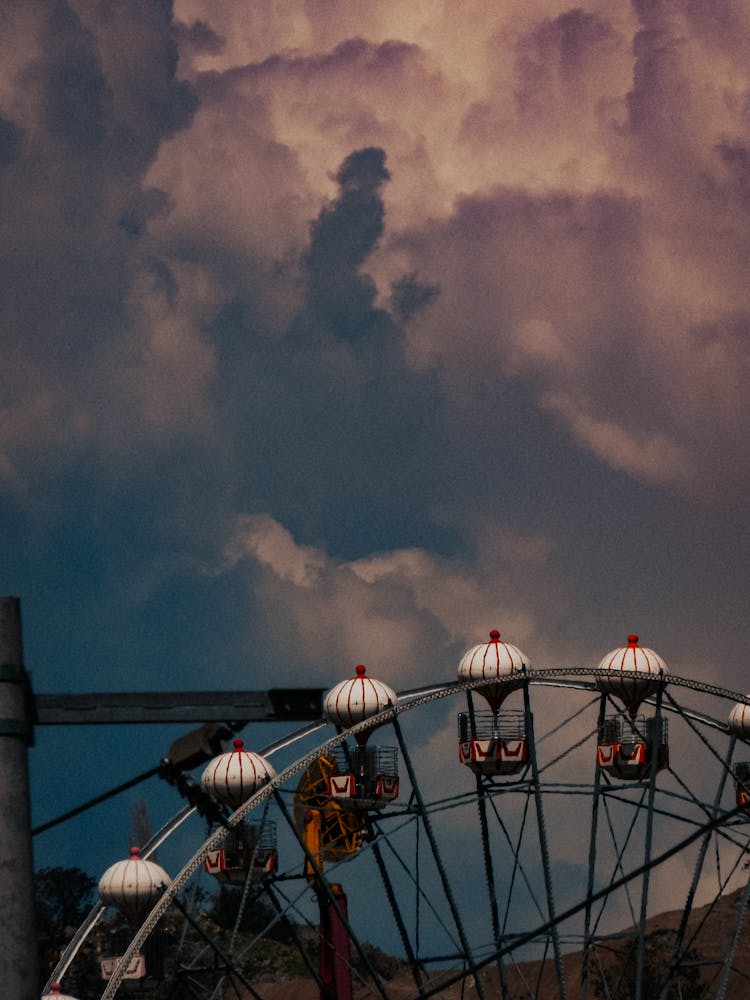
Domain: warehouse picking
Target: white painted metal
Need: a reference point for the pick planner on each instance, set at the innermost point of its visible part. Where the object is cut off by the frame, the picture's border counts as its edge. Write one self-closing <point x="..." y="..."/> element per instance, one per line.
<point x="633" y="673"/>
<point x="357" y="699"/>
<point x="494" y="659"/>
<point x="739" y="720"/>
<point x="133" y="886"/>
<point x="233" y="777"/>
<point x="57" y="993"/>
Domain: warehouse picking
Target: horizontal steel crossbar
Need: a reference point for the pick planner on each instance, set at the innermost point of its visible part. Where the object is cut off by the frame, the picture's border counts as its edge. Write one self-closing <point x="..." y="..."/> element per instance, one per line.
<point x="112" y="708"/>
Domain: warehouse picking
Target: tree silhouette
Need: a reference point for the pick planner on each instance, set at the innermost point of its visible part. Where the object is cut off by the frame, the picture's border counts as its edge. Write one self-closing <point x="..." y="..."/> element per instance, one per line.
<point x="62" y="898"/>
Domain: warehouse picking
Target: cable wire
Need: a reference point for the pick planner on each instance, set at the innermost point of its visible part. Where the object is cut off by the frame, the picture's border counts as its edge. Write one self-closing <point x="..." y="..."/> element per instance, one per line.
<point x="95" y="801"/>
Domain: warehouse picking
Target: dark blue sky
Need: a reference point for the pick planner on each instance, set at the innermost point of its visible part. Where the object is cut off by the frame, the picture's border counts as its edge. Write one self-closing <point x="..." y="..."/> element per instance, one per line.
<point x="334" y="334"/>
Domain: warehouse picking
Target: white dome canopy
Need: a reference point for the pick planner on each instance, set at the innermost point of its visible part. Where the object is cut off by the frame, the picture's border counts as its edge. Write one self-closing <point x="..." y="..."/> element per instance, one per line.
<point x="233" y="777"/>
<point x="56" y="993"/>
<point x="739" y="720"/>
<point x="494" y="659"/>
<point x="635" y="659"/>
<point x="357" y="699"/>
<point x="133" y="886"/>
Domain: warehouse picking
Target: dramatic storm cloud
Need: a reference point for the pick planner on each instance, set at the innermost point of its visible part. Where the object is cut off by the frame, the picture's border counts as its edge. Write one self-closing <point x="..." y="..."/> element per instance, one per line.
<point x="343" y="332"/>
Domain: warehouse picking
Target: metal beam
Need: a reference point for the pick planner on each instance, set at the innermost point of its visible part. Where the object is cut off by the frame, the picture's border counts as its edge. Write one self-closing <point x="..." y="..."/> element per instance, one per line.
<point x="113" y="708"/>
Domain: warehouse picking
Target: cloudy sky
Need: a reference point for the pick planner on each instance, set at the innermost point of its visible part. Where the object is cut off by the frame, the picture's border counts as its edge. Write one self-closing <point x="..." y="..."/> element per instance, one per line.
<point x="338" y="331"/>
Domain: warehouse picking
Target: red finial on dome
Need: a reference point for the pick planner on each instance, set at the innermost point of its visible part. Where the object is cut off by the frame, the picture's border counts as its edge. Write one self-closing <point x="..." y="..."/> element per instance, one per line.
<point x="238" y="744"/>
<point x="135" y="853"/>
<point x="360" y="670"/>
<point x="632" y="640"/>
<point x="494" y="635"/>
<point x="56" y="989"/>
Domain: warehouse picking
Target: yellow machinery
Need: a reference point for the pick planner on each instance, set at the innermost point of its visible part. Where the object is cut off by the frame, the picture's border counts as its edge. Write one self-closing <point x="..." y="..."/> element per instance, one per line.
<point x="330" y="833"/>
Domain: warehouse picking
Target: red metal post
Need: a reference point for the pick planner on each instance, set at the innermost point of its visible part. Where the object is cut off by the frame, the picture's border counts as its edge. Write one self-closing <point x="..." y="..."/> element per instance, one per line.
<point x="335" y="956"/>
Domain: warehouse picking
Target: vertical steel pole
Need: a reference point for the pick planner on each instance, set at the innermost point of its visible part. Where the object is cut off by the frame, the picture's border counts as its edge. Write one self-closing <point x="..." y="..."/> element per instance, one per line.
<point x="18" y="955"/>
<point x="592" y="851"/>
<point x="656" y="746"/>
<point x="674" y="964"/>
<point x="543" y="845"/>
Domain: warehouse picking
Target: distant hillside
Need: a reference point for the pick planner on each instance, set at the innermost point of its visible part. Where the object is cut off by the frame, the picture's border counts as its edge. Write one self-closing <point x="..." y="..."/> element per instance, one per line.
<point x="710" y="932"/>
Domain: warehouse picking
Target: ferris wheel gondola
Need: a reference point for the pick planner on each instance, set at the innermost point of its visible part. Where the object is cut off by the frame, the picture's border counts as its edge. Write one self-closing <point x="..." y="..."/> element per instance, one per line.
<point x="455" y="864"/>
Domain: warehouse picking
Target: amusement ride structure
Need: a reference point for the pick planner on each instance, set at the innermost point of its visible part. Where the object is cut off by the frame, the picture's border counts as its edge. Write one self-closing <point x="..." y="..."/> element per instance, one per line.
<point x="569" y="810"/>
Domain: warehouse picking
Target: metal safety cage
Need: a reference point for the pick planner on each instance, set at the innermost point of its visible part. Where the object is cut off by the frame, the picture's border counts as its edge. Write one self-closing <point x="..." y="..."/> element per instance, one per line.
<point x="364" y="776"/>
<point x="493" y="744"/>
<point x="627" y="746"/>
<point x="246" y="852"/>
<point x="742" y="783"/>
<point x="484" y="725"/>
<point x="622" y="729"/>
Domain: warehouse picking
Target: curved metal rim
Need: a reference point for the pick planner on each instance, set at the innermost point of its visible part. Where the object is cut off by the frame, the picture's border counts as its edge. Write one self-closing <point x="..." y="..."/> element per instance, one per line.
<point x="408" y="700"/>
<point x="97" y="911"/>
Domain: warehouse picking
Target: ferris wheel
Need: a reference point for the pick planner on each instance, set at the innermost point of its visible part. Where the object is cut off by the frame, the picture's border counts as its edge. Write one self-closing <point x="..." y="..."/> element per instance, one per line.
<point x="514" y="834"/>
